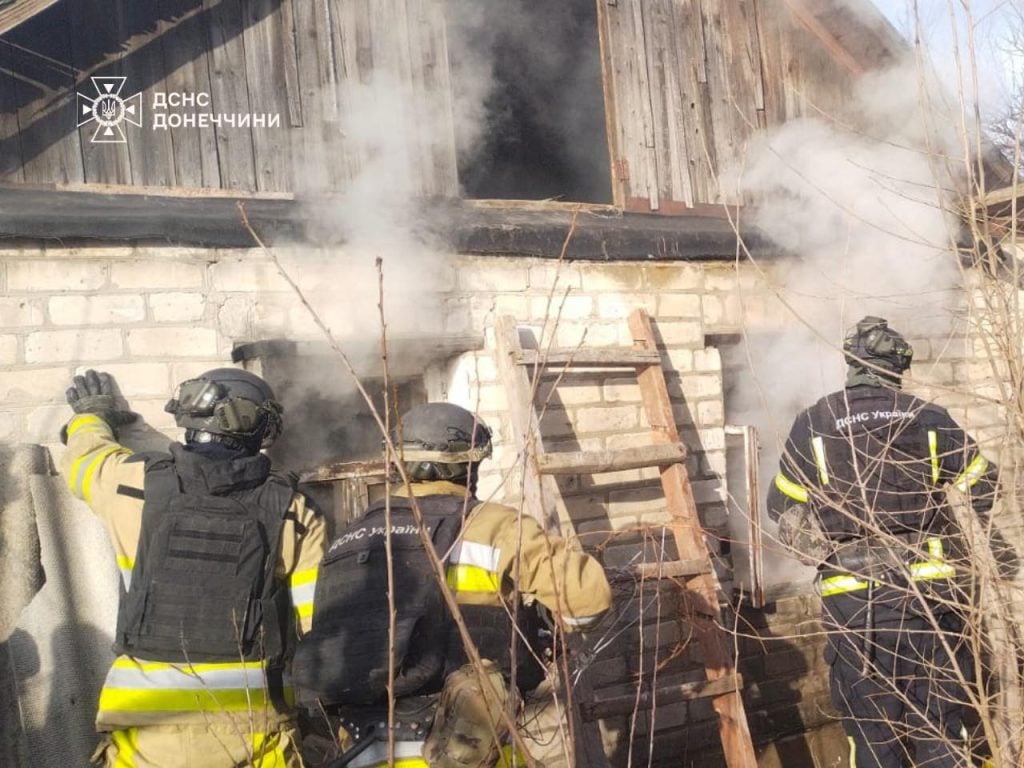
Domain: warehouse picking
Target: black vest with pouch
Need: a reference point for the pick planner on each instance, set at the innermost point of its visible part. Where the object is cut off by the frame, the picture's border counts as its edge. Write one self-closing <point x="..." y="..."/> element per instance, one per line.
<point x="203" y="586"/>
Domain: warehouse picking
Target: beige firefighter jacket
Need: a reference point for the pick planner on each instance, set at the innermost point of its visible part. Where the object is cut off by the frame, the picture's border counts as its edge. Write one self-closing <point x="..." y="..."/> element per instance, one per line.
<point x="139" y="692"/>
<point x="483" y="565"/>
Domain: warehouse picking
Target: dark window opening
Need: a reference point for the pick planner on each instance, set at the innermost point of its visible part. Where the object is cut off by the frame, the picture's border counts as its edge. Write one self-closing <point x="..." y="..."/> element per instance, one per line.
<point x="534" y="67"/>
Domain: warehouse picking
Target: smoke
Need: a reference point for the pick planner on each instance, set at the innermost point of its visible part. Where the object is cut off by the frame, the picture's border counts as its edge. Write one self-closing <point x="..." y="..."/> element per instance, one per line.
<point x="865" y="212"/>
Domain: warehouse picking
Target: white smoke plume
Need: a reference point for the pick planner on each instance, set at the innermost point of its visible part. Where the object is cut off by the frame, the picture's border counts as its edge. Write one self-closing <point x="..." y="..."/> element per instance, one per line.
<point x="865" y="214"/>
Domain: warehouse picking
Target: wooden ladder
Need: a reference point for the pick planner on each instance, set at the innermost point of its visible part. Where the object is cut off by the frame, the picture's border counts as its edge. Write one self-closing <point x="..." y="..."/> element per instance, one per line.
<point x="540" y="495"/>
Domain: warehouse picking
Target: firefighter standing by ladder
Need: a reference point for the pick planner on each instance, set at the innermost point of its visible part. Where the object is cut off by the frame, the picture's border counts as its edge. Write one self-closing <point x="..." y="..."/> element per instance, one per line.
<point x="861" y="494"/>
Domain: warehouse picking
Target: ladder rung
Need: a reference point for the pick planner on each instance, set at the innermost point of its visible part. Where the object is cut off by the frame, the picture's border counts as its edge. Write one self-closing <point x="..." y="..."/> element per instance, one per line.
<point x="623" y="705"/>
<point x="673" y="569"/>
<point x="595" y="462"/>
<point x="596" y="357"/>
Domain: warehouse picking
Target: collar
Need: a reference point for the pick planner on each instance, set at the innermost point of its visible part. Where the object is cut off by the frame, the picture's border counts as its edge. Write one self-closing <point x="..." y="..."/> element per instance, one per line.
<point x="218" y="476"/>
<point x="435" y="488"/>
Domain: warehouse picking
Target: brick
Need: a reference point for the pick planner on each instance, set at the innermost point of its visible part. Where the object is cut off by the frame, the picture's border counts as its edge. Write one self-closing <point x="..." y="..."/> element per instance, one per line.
<point x="612" y="277"/>
<point x="8" y="349"/>
<point x="544" y="277"/>
<point x="519" y="306"/>
<point x="34" y="385"/>
<point x="111" y="309"/>
<point x="710" y="413"/>
<point x="590" y="334"/>
<point x="564" y="307"/>
<point x="52" y="275"/>
<point x="501" y="278"/>
<point x="708" y="359"/>
<point x="73" y="346"/>
<point x="689" y="333"/>
<point x="172" y="342"/>
<point x="235" y="318"/>
<point x="10" y="427"/>
<point x="158" y="274"/>
<point x="135" y="379"/>
<point x="720" y="280"/>
<point x="17" y="311"/>
<point x="177" y="307"/>
<point x="680" y="360"/>
<point x="679" y="305"/>
<point x="662" y="277"/>
<point x="618" y="307"/>
<point x="607" y="419"/>
<point x="491" y="397"/>
<point x="152" y="413"/>
<point x="625" y="390"/>
<point x="569" y="391"/>
<point x="701" y="385"/>
<point x="709" y="491"/>
<point x="246" y="274"/>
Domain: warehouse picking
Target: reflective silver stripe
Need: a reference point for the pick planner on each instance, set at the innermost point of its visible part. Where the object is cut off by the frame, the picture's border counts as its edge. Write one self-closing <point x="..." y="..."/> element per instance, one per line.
<point x="147" y="676"/>
<point x="818" y="446"/>
<point x="377" y="753"/>
<point x="303" y="593"/>
<point x="480" y="555"/>
<point x="582" y="621"/>
<point x="972" y="474"/>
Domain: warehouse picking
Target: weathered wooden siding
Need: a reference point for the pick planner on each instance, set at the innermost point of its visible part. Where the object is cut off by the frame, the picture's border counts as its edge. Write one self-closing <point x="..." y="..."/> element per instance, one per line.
<point x="296" y="58"/>
<point x="689" y="81"/>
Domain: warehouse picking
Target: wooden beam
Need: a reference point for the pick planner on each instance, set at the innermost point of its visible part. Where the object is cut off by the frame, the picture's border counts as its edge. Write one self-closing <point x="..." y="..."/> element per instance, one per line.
<point x="595" y="462"/>
<point x="21" y="10"/>
<point x="597" y="357"/>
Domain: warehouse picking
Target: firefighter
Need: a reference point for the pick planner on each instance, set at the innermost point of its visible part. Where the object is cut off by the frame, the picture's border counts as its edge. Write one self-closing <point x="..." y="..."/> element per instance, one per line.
<point x="500" y="564"/>
<point x="218" y="559"/>
<point x="861" y="494"/>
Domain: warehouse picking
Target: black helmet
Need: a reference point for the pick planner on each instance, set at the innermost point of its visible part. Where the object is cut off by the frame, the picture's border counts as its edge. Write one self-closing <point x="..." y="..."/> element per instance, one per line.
<point x="440" y="441"/>
<point x="227" y="405"/>
<point x="872" y="343"/>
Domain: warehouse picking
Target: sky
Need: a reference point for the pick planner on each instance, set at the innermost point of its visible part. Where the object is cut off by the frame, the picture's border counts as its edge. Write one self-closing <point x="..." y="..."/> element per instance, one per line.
<point x="1000" y="68"/>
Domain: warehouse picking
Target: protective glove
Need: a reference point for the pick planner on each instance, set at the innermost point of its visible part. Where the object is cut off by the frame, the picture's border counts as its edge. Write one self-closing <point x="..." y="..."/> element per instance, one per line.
<point x="94" y="393"/>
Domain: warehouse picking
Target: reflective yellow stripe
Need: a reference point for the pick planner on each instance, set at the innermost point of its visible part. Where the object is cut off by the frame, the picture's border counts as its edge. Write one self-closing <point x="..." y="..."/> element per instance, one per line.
<point x="84" y="470"/>
<point x="127" y="743"/>
<point x="406" y="762"/>
<point x="853" y="752"/>
<point x="299" y="578"/>
<point x="267" y="752"/>
<point x="471" y="578"/>
<point x="933" y="451"/>
<point x="818" y="446"/>
<point x="835" y="585"/>
<point x="932" y="569"/>
<point x="304" y="611"/>
<point x="89" y="422"/>
<point x="178" y="700"/>
<point x="935" y="548"/>
<point x="972" y="474"/>
<point x="788" y="488"/>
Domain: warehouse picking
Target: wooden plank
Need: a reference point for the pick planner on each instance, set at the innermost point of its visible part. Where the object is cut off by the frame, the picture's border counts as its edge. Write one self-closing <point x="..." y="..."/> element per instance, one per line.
<point x="645" y="697"/>
<point x="596" y="462"/>
<point x="766" y="13"/>
<point x="229" y="92"/>
<point x="645" y="113"/>
<point x="151" y="151"/>
<point x="437" y="84"/>
<point x="689" y="537"/>
<point x="611" y="106"/>
<point x="604" y="357"/>
<point x="22" y="10"/>
<point x="312" y="162"/>
<point x="50" y="148"/>
<point x="103" y="162"/>
<point x="264" y="72"/>
<point x="11" y="164"/>
<point x="289" y="34"/>
<point x="539" y="492"/>
<point x="188" y="71"/>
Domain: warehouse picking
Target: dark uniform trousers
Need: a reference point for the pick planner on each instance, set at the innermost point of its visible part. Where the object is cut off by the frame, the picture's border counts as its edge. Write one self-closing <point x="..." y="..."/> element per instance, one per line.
<point x="899" y="686"/>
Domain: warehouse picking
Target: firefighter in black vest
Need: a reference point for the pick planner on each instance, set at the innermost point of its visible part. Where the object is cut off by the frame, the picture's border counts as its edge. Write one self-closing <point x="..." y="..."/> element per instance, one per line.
<point x="218" y="559"/>
<point x="499" y="563"/>
<point x="861" y="493"/>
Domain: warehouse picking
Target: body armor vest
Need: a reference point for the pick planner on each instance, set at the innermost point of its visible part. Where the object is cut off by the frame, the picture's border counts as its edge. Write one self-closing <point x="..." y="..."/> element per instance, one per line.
<point x="203" y="586"/>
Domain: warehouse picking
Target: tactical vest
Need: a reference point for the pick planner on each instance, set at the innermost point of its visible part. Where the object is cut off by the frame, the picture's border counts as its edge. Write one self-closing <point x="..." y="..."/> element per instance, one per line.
<point x="344" y="659"/>
<point x="203" y="586"/>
